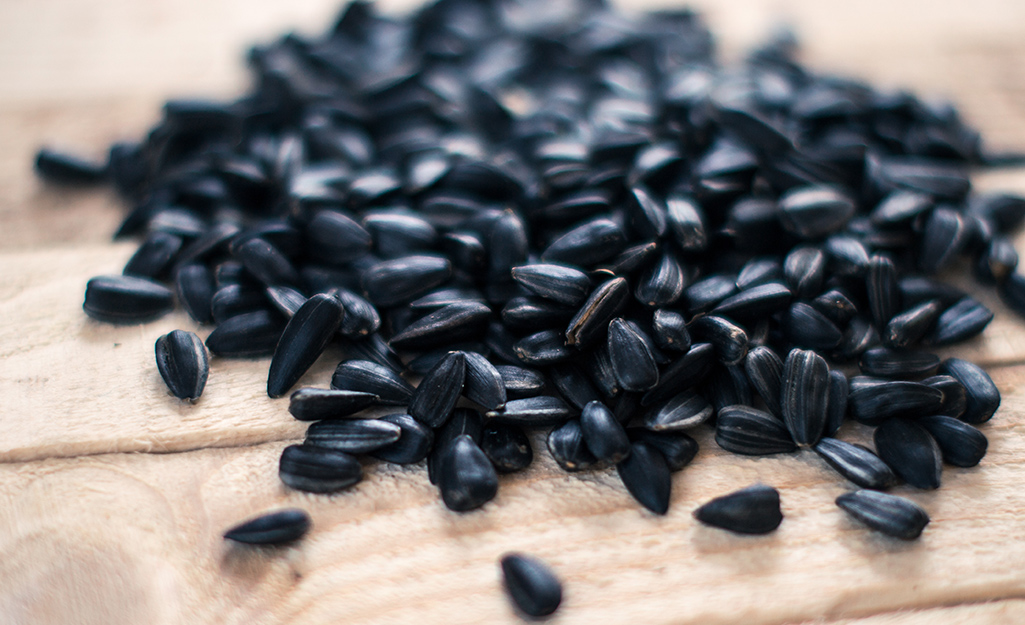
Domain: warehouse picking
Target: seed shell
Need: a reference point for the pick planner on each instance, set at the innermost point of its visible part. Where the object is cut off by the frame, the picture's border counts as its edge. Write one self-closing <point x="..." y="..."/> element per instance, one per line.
<point x="315" y="404"/>
<point x="752" y="510"/>
<point x="438" y="392"/>
<point x="765" y="373"/>
<point x="366" y="376"/>
<point x="567" y="446"/>
<point x="730" y="340"/>
<point x="414" y="442"/>
<point x="961" y="444"/>
<point x="910" y="451"/>
<point x="603" y="434"/>
<point x="466" y="477"/>
<point x="520" y="382"/>
<point x="805" y="396"/>
<point x="183" y="364"/>
<point x="684" y="411"/>
<point x="592" y="320"/>
<point x="274" y="528"/>
<point x="531" y="584"/>
<point x="751" y="432"/>
<point x="875" y="404"/>
<point x="247" y="335"/>
<point x="890" y="363"/>
<point x="632" y="361"/>
<point x="483" y="383"/>
<point x="126" y="299"/>
<point x="965" y="319"/>
<point x="889" y="514"/>
<point x="318" y="469"/>
<point x="507" y="446"/>
<point x="670" y="330"/>
<point x="354" y="436"/>
<point x="565" y="285"/>
<point x="647" y="477"/>
<point x="983" y="396"/>
<point x="453" y="323"/>
<point x="856" y="463"/>
<point x="302" y="342"/>
<point x="540" y="411"/>
<point x="677" y="448"/>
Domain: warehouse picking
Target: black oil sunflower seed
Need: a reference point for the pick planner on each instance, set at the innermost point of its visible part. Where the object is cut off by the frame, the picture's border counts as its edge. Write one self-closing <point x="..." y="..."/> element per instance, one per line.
<point x="588" y="244"/>
<point x="963" y="320"/>
<point x="361" y="317"/>
<point x="370" y="377"/>
<point x="815" y="212"/>
<point x="63" y="168"/>
<point x="315" y="404"/>
<point x="836" y="412"/>
<point x="945" y="235"/>
<point x="285" y="299"/>
<point x="183" y="364"/>
<point x="684" y="411"/>
<point x="678" y="448"/>
<point x="266" y="263"/>
<point x="246" y="336"/>
<point x="520" y="382"/>
<point x="567" y="446"/>
<point x="804" y="269"/>
<point x="318" y="469"/>
<point x="806" y="327"/>
<point x="273" y="528"/>
<point x="126" y="299"/>
<point x="463" y="421"/>
<point x="955" y="396"/>
<point x="573" y="384"/>
<point x="751" y="432"/>
<point x="540" y="411"/>
<point x="414" y="442"/>
<point x="961" y="444"/>
<point x="856" y="463"/>
<point x="804" y="396"/>
<point x="756" y="302"/>
<point x="466" y="477"/>
<point x="632" y="361"/>
<point x="883" y="292"/>
<point x="891" y="363"/>
<point x="533" y="586"/>
<point x="765" y="373"/>
<point x="438" y="392"/>
<point x="154" y="256"/>
<point x="670" y="330"/>
<point x="752" y="510"/>
<point x="983" y="397"/>
<point x="662" y="284"/>
<point x="592" y="320"/>
<point x="603" y="434"/>
<point x="402" y="280"/>
<point x="646" y="477"/>
<point x="483" y="383"/>
<point x="507" y="446"/>
<point x="451" y="324"/>
<point x="353" y="436"/>
<point x="565" y="285"/>
<point x="688" y="371"/>
<point x="304" y="338"/>
<point x="910" y="326"/>
<point x="195" y="289"/>
<point x="889" y="514"/>
<point x="910" y="451"/>
<point x="543" y="348"/>
<point x="730" y="340"/>
<point x="876" y="403"/>
<point x="704" y="295"/>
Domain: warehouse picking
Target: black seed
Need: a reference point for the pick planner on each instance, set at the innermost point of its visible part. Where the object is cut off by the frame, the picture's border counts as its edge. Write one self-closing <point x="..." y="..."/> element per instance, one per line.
<point x="361" y="317"/>
<point x="910" y="451"/>
<point x="765" y="373"/>
<point x="915" y="290"/>
<point x="997" y="262"/>
<point x="183" y="364"/>
<point x="466" y="477"/>
<point x="507" y="245"/>
<point x="540" y="411"/>
<point x="889" y="514"/>
<point x="62" y="168"/>
<point x="603" y="434"/>
<point x="804" y="396"/>
<point x="528" y="314"/>
<point x="438" y="392"/>
<point x="689" y="370"/>
<point x="856" y="463"/>
<point x="889" y="363"/>
<point x="573" y="384"/>
<point x="883" y="294"/>
<point x="440" y="298"/>
<point x="806" y="327"/>
<point x="266" y="263"/>
<point x="878" y="402"/>
<point x="751" y="432"/>
<point x="463" y="421"/>
<point x="836" y="412"/>
<point x="961" y="444"/>
<point x="686" y="223"/>
<point x="247" y="335"/>
<point x="729" y="340"/>
<point x="759" y="271"/>
<point x="318" y="469"/>
<point x="507" y="446"/>
<point x="543" y="348"/>
<point x="965" y="319"/>
<point x="629" y="260"/>
<point x="483" y="383"/>
<point x="847" y="256"/>
<point x="647" y="215"/>
<point x="533" y="586"/>
<point x="519" y="382"/>
<point x="154" y="256"/>
<point x="301" y="343"/>
<point x="647" y="477"/>
<point x="567" y="446"/>
<point x="215" y="239"/>
<point x="314" y="404"/>
<point x="274" y="528"/>
<point x="859" y="337"/>
<point x="955" y="396"/>
<point x="592" y="320"/>
<point x="370" y="377"/>
<point x="232" y="300"/>
<point x="670" y="330"/>
<point x="815" y="212"/>
<point x="751" y="510"/>
<point x="662" y="284"/>
<point x="353" y="436"/>
<point x="413" y="445"/>
<point x="402" y="280"/>
<point x="588" y="244"/>
<point x="632" y="361"/>
<point x="911" y="325"/>
<point x="804" y="269"/>
<point x="373" y="348"/>
<point x="901" y="207"/>
<point x="944" y="237"/>
<point x="704" y="295"/>
<point x="334" y="238"/>
<point x="983" y="395"/>
<point x="453" y="323"/>
<point x="1005" y="210"/>
<point x="677" y="447"/>
<point x="684" y="411"/>
<point x="125" y="299"/>
<point x="397" y="234"/>
<point x="757" y="302"/>
<point x="559" y="283"/>
<point x="285" y="299"/>
<point x="195" y="289"/>
<point x="728" y="386"/>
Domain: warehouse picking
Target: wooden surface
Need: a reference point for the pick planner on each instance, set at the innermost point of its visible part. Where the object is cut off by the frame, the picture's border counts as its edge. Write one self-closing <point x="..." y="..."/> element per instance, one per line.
<point x="90" y="533"/>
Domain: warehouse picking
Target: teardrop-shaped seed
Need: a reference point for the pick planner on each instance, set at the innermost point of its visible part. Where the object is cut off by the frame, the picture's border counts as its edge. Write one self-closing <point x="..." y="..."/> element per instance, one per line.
<point x="414" y="442"/>
<point x="806" y="327"/>
<point x="757" y="302"/>
<point x="911" y="325"/>
<point x="688" y="370"/>
<point x="453" y="323"/>
<point x="847" y="256"/>
<point x="520" y="382"/>
<point x="860" y="336"/>
<point x="814" y="212"/>
<point x="533" y="586"/>
<point x="529" y="314"/>
<point x="508" y="246"/>
<point x="370" y="377"/>
<point x="318" y="469"/>
<point x="890" y="363"/>
<point x="751" y="510"/>
<point x="301" y="343"/>
<point x="647" y="215"/>
<point x="438" y="392"/>
<point x="538" y="411"/>
<point x="285" y="299"/>
<point x="875" y="404"/>
<point x="567" y="446"/>
<point x="466" y="477"/>
<point x="889" y="514"/>
<point x="836" y="412"/>
<point x="686" y="410"/>
<point x="483" y="383"/>
<point x="353" y="436"/>
<point x="373" y="348"/>
<point x="194" y="286"/>
<point x="883" y="294"/>
<point x="401" y="280"/>
<point x="901" y="206"/>
<point x="686" y="223"/>
<point x="63" y="168"/>
<point x="629" y="260"/>
<point x="730" y="340"/>
<point x="232" y="300"/>
<point x="961" y="444"/>
<point x="955" y="396"/>
<point x="361" y="317"/>
<point x="587" y="244"/>
<point x="565" y="285"/>
<point x="805" y="395"/>
<point x="334" y="238"/>
<point x="804" y="269"/>
<point x="678" y="448"/>
<point x="543" y="348"/>
<point x="592" y="320"/>
<point x="945" y="235"/>
<point x="266" y="263"/>
<point x="463" y="421"/>
<point x="573" y="384"/>
<point x="632" y="360"/>
<point x="126" y="299"/>
<point x="983" y="396"/>
<point x="246" y="336"/>
<point x="765" y="373"/>
<point x="670" y="330"/>
<point x="910" y="451"/>
<point x="997" y="262"/>
<point x="759" y="271"/>
<point x="153" y="256"/>
<point x="662" y="284"/>
<point x="728" y="386"/>
<point x="836" y="305"/>
<point x="751" y="432"/>
<point x="965" y="319"/>
<point x="856" y="463"/>
<point x="507" y="446"/>
<point x="603" y="434"/>
<point x="273" y="528"/>
<point x="704" y="295"/>
<point x="647" y="477"/>
<point x="315" y="404"/>
<point x="183" y="364"/>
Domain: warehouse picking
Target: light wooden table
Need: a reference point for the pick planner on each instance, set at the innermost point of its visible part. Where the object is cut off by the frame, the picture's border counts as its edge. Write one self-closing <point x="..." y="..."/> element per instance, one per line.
<point x="113" y="496"/>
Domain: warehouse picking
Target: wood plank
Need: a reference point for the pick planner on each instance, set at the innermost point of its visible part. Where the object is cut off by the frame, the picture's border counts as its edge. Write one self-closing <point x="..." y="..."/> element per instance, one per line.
<point x="1006" y="612"/>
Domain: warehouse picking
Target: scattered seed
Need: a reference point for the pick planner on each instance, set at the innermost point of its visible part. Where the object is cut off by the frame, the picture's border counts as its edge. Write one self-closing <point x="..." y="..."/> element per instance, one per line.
<point x="414" y="442"/>
<point x="533" y="586"/>
<point x="889" y="514"/>
<point x="126" y="299"/>
<point x="910" y="451"/>
<point x="318" y="469"/>
<point x="961" y="444"/>
<point x="647" y="477"/>
<point x="856" y="463"/>
<point x="438" y="392"/>
<point x="751" y="432"/>
<point x="314" y="404"/>
<point x="301" y="343"/>
<point x="274" y="528"/>
<point x="466" y="477"/>
<point x="983" y="398"/>
<point x="752" y="510"/>
<point x="354" y="436"/>
<point x="183" y="364"/>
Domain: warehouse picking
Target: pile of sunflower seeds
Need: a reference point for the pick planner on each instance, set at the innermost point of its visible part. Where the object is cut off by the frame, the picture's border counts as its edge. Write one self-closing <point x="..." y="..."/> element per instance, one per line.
<point x="565" y="217"/>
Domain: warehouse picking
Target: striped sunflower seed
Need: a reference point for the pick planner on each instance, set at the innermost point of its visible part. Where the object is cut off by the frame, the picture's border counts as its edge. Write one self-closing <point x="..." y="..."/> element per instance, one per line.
<point x="983" y="397"/>
<point x="126" y="299"/>
<point x="646" y="477"/>
<point x="520" y="382"/>
<point x="353" y="436"/>
<point x="540" y="411"/>
<point x="878" y="402"/>
<point x="751" y="432"/>
<point x="856" y="463"/>
<point x="436" y="396"/>
<point x="318" y="469"/>
<point x="302" y="342"/>
<point x="632" y="361"/>
<point x="805" y="396"/>
<point x="315" y="404"/>
<point x="603" y="434"/>
<point x="507" y="446"/>
<point x="910" y="451"/>
<point x="961" y="444"/>
<point x="183" y="364"/>
<point x="752" y="510"/>
<point x="889" y="514"/>
<point x="483" y="383"/>
<point x="366" y="376"/>
<point x="273" y="528"/>
<point x="415" y="441"/>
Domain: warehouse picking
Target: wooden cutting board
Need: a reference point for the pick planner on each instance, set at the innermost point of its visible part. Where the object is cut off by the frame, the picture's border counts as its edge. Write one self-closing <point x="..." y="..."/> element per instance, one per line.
<point x="114" y="496"/>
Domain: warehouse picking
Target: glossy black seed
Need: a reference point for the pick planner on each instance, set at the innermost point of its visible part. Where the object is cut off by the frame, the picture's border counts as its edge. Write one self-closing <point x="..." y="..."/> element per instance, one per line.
<point x="154" y="256"/>
<point x="751" y="432"/>
<point x="374" y="348"/>
<point x="126" y="299"/>
<point x="944" y="237"/>
<point x="438" y="392"/>
<point x="757" y="302"/>
<point x="677" y="448"/>
<point x="361" y="317"/>
<point x="318" y="469"/>
<point x="629" y="260"/>
<point x="883" y="294"/>
<point x="603" y="434"/>
<point x="688" y="370"/>
<point x="567" y="446"/>
<point x="662" y="284"/>
<point x="632" y="361"/>
<point x="910" y="451"/>
<point x="370" y="377"/>
<point x="334" y="238"/>
<point x="453" y="323"/>
<point x="285" y="299"/>
<point x="765" y="373"/>
<point x="686" y="410"/>
<point x="463" y="421"/>
<point x="910" y="326"/>
<point x="274" y="528"/>
<point x="540" y="411"/>
<point x="527" y="314"/>
<point x="964" y="320"/>
<point x="806" y="327"/>
<point x="353" y="436"/>
<point x="804" y="269"/>
<point x="315" y="404"/>
<point x="704" y="295"/>
<point x="402" y="280"/>
<point x="837" y="306"/>
<point x="847" y="256"/>
<point x="961" y="444"/>
<point x="507" y="446"/>
<point x="955" y="396"/>
<point x="915" y="290"/>
<point x="759" y="271"/>
<point x="483" y="383"/>
<point x="856" y="463"/>
<point x="804" y="396"/>
<point x="559" y="283"/>
<point x="900" y="207"/>
<point x="183" y="364"/>
<point x="815" y="212"/>
<point x="983" y="396"/>
<point x="246" y="336"/>
<point x="266" y="263"/>
<point x="466" y="477"/>
<point x="686" y="223"/>
<point x="195" y="289"/>
<point x="573" y="384"/>
<point x="231" y="300"/>
<point x="592" y="320"/>
<point x="859" y="337"/>
<point x="414" y="442"/>
<point x="588" y="244"/>
<point x="520" y="382"/>
<point x="997" y="262"/>
<point x="533" y="586"/>
<point x="543" y="348"/>
<point x="1005" y="210"/>
<point x="398" y="234"/>
<point x="751" y="510"/>
<point x="890" y="363"/>
<point x="876" y="403"/>
<point x="647" y="477"/>
<point x="836" y="411"/>
<point x="466" y="251"/>
<point x="304" y="338"/>
<point x="438" y="299"/>
<point x="729" y="340"/>
<point x="889" y="514"/>
<point x="647" y="215"/>
<point x="63" y="168"/>
<point x="670" y="330"/>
